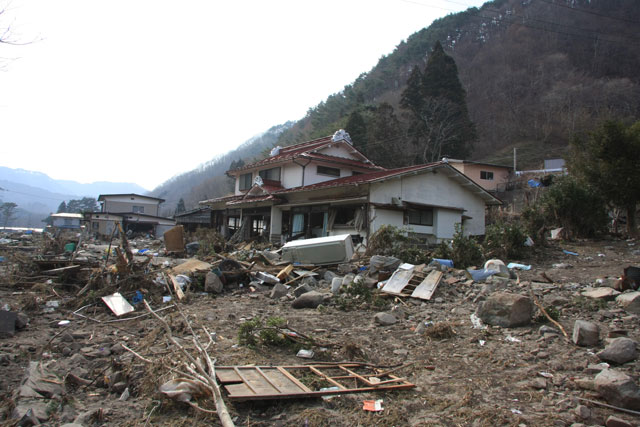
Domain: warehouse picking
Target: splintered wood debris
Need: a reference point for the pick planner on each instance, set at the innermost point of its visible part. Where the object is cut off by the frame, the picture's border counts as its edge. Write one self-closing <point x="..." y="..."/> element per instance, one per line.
<point x="297" y="381"/>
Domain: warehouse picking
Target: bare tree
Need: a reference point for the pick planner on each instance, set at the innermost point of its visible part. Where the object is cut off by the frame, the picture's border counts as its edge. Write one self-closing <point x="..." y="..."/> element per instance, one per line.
<point x="7" y="210"/>
<point x="439" y="127"/>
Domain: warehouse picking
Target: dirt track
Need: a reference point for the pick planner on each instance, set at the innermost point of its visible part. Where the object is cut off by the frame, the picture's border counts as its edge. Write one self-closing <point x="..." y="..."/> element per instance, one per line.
<point x="463" y="376"/>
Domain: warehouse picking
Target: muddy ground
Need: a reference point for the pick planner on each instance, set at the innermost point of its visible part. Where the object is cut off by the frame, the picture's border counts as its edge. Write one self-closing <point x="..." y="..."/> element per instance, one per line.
<point x="463" y="375"/>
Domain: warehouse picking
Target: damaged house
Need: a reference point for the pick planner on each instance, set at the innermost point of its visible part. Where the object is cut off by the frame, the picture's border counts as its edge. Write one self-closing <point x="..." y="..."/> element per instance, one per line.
<point x="135" y="212"/>
<point x="328" y="187"/>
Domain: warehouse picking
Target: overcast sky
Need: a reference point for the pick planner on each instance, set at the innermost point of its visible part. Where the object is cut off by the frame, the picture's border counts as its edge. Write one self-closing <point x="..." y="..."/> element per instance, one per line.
<point x="142" y="90"/>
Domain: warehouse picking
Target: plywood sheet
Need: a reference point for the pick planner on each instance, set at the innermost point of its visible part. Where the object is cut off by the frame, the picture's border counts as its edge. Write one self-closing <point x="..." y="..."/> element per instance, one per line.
<point x="428" y="286"/>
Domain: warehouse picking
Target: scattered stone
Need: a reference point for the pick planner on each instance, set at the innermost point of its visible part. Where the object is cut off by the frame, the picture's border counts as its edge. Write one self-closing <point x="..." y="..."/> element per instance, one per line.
<point x="618" y="389"/>
<point x="279" y="290"/>
<point x="601" y="293"/>
<point x="544" y="329"/>
<point x="582" y="412"/>
<point x="538" y="383"/>
<point x="212" y="283"/>
<point x="506" y="309"/>
<point x="614" y="421"/>
<point x="385" y="319"/>
<point x="22" y="321"/>
<point x="302" y="289"/>
<point x="310" y="281"/>
<point x="336" y="284"/>
<point x="585" y="383"/>
<point x="29" y="411"/>
<point x="562" y="265"/>
<point x="329" y="276"/>
<point x="585" y="333"/>
<point x="310" y="300"/>
<point x="630" y="301"/>
<point x="619" y="350"/>
<point x="38" y="383"/>
<point x="346" y="280"/>
<point x="596" y="368"/>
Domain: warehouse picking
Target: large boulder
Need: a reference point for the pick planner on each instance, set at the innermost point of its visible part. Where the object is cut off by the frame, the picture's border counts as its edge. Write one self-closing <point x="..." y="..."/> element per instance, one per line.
<point x="506" y="309"/>
<point x="619" y="350"/>
<point x="212" y="283"/>
<point x="585" y="333"/>
<point x="630" y="301"/>
<point x="309" y="300"/>
<point x="618" y="389"/>
<point x="385" y="319"/>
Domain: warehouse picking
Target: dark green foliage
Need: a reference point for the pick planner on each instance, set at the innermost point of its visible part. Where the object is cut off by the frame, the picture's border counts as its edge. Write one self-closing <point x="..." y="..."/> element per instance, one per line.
<point x="505" y="240"/>
<point x="534" y="223"/>
<point x="180" y="206"/>
<point x="465" y="251"/>
<point x="357" y="129"/>
<point x="574" y="206"/>
<point x="86" y="204"/>
<point x="62" y="207"/>
<point x="607" y="161"/>
<point x="439" y="120"/>
<point x="393" y="241"/>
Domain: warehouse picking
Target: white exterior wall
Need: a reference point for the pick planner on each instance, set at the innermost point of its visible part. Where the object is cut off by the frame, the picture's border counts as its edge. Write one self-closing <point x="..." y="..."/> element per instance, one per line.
<point x="311" y="176"/>
<point x="437" y="190"/>
<point x="338" y="151"/>
<point x="291" y="175"/>
<point x="382" y="217"/>
<point x="125" y="203"/>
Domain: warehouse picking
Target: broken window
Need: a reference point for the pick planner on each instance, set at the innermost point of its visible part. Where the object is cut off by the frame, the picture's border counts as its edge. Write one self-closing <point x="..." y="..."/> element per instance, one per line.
<point x="257" y="227"/>
<point x="325" y="170"/>
<point x="421" y="216"/>
<point x="245" y="181"/>
<point x="233" y="223"/>
<point x="272" y="174"/>
<point x="486" y="175"/>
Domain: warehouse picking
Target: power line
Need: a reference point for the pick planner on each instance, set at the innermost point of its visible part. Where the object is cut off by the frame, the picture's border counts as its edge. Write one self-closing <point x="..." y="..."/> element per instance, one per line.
<point x="590" y="12"/>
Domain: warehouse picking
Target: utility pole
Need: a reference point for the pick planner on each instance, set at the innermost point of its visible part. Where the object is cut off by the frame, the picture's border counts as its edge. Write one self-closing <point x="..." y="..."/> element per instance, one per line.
<point x="514" y="160"/>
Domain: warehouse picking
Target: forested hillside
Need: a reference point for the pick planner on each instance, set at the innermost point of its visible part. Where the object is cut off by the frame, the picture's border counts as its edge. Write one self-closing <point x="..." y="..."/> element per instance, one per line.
<point x="535" y="73"/>
<point x="529" y="74"/>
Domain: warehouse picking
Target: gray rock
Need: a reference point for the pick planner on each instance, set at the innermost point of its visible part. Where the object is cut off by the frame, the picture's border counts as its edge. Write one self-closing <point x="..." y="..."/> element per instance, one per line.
<point x="212" y="283"/>
<point x="583" y="412"/>
<point x="310" y="300"/>
<point x="601" y="293"/>
<point x="329" y="275"/>
<point x="279" y="290"/>
<point x="544" y="329"/>
<point x="506" y="309"/>
<point x="614" y="421"/>
<point x="336" y="284"/>
<point x="38" y="385"/>
<point x="383" y="263"/>
<point x="619" y="350"/>
<point x="310" y="281"/>
<point x="38" y="410"/>
<point x="630" y="301"/>
<point x="346" y="280"/>
<point x="585" y="333"/>
<point x="22" y="321"/>
<point x="385" y="319"/>
<point x="302" y="289"/>
<point x="618" y="389"/>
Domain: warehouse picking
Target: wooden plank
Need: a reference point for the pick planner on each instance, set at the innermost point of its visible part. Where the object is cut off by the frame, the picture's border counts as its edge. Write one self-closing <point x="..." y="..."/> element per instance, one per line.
<point x="332" y="381"/>
<point x="176" y="287"/>
<point x="294" y="380"/>
<point x="428" y="286"/>
<point x="397" y="282"/>
<point x="227" y="375"/>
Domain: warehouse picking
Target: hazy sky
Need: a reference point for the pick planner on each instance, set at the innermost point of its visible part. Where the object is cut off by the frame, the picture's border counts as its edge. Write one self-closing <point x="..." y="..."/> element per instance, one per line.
<point x="142" y="90"/>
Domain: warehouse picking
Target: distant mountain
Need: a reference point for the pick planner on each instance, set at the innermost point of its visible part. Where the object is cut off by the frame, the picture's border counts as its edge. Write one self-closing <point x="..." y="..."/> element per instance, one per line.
<point x="37" y="195"/>
<point x="209" y="180"/>
<point x="43" y="181"/>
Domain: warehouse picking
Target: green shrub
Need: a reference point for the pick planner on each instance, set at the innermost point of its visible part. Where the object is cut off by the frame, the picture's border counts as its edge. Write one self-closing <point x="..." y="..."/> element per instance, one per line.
<point x="505" y="240"/>
<point x="389" y="240"/>
<point x="465" y="251"/>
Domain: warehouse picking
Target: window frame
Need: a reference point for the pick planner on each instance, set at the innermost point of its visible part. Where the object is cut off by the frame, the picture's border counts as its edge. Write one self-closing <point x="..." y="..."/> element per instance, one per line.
<point x="245" y="185"/>
<point x="267" y="174"/>
<point x="328" y="171"/>
<point x="486" y="175"/>
<point x="422" y="221"/>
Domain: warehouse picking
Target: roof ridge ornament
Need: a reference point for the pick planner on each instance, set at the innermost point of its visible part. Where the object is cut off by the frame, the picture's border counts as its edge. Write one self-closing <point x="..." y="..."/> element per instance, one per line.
<point x="341" y="135"/>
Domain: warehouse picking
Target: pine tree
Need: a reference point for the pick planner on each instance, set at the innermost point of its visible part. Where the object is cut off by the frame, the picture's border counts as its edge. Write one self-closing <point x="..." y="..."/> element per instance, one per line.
<point x="62" y="208"/>
<point x="439" y="123"/>
<point x="356" y="127"/>
<point x="180" y="207"/>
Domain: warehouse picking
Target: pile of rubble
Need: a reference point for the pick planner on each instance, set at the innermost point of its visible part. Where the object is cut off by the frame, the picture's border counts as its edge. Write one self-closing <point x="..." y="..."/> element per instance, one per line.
<point x="152" y="322"/>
